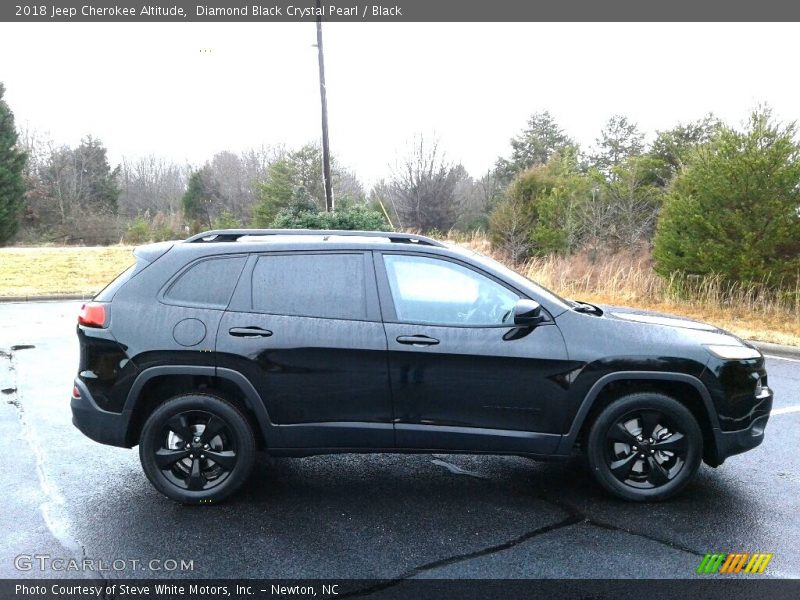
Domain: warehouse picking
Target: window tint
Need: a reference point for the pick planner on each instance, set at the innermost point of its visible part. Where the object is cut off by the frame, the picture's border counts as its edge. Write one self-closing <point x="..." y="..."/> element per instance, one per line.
<point x="329" y="286"/>
<point x="107" y="293"/>
<point x="429" y="290"/>
<point x="208" y="282"/>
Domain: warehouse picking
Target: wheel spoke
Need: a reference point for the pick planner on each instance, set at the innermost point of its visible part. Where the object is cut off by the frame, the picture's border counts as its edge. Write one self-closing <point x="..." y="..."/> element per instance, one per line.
<point x="225" y="459"/>
<point x="649" y="420"/>
<point x="674" y="443"/>
<point x="620" y="433"/>
<point x="195" y="480"/>
<point x="180" y="425"/>
<point x="622" y="468"/>
<point x="166" y="458"/>
<point x="658" y="475"/>
<point x="214" y="426"/>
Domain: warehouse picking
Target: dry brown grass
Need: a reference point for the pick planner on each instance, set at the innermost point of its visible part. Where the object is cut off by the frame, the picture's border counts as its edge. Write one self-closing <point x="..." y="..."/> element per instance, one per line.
<point x="750" y="311"/>
<point x="48" y="271"/>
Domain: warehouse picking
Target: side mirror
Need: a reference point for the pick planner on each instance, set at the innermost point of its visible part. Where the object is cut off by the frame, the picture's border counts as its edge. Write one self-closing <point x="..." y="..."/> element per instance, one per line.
<point x="527" y="313"/>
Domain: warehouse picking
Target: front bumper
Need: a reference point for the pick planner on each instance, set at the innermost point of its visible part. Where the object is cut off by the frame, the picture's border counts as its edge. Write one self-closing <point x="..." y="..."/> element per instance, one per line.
<point x="730" y="443"/>
<point x="94" y="422"/>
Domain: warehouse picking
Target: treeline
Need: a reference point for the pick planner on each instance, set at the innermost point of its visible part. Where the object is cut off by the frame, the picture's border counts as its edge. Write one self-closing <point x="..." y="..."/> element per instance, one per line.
<point x="707" y="197"/>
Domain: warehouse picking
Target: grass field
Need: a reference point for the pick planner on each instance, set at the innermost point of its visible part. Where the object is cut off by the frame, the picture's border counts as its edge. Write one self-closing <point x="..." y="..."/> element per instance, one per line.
<point x="748" y="311"/>
<point x="52" y="271"/>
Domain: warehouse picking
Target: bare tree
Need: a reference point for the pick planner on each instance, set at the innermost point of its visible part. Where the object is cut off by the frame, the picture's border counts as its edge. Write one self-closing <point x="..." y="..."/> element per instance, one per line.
<point x="347" y="188"/>
<point x="511" y="229"/>
<point x="635" y="201"/>
<point x="422" y="188"/>
<point x="233" y="184"/>
<point x="151" y="185"/>
<point x="490" y="188"/>
<point x="596" y="220"/>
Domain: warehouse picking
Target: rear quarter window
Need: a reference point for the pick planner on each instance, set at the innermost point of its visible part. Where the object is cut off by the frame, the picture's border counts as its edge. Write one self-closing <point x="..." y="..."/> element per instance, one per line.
<point x="107" y="293"/>
<point x="328" y="286"/>
<point x="208" y="283"/>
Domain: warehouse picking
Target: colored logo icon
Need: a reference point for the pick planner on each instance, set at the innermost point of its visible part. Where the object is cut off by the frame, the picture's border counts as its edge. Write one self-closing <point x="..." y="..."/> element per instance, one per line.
<point x="738" y="562"/>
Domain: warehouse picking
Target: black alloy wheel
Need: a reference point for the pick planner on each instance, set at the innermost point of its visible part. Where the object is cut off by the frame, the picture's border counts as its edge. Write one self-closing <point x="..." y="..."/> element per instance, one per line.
<point x="644" y="450"/>
<point x="645" y="446"/>
<point x="197" y="451"/>
<point x="197" y="448"/>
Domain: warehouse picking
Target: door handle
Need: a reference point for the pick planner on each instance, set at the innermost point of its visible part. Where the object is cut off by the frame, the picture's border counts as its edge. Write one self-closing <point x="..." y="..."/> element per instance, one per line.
<point x="249" y="332"/>
<point x="417" y="340"/>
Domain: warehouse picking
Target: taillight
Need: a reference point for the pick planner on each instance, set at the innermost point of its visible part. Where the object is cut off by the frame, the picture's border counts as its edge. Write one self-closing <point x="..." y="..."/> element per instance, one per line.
<point x="93" y="314"/>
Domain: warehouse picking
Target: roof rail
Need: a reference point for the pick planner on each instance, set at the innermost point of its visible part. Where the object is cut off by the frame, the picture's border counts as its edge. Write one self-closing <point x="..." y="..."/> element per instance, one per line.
<point x="232" y="235"/>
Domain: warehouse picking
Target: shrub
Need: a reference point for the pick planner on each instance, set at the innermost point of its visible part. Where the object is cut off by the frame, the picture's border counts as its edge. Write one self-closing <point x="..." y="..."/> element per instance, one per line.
<point x="357" y="218"/>
<point x="138" y="231"/>
<point x="161" y="227"/>
<point x="225" y="221"/>
<point x="733" y="209"/>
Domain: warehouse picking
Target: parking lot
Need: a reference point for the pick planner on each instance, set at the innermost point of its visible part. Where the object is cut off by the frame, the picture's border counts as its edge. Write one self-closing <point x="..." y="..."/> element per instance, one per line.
<point x="353" y="516"/>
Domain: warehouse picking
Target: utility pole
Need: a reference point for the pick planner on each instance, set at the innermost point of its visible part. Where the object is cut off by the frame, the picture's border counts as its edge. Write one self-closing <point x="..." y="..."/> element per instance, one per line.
<point x="326" y="151"/>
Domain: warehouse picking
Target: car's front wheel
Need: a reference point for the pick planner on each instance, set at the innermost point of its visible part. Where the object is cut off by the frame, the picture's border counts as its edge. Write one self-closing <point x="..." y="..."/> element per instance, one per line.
<point x="645" y="447"/>
<point x="197" y="448"/>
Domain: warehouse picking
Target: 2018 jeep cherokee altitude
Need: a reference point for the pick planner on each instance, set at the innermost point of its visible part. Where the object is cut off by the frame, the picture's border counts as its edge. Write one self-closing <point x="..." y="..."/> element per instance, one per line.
<point x="309" y="342"/>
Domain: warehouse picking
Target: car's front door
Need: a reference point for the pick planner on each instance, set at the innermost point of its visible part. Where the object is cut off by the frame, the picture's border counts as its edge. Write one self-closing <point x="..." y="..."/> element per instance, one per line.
<point x="304" y="328"/>
<point x="462" y="376"/>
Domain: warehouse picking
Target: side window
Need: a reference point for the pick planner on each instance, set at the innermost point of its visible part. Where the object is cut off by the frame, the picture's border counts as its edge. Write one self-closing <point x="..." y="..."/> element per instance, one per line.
<point x="329" y="286"/>
<point x="208" y="282"/>
<point x="440" y="292"/>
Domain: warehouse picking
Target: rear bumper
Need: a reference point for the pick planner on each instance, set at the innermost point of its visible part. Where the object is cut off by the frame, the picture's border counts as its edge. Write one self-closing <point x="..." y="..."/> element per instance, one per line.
<point x="94" y="422"/>
<point x="730" y="443"/>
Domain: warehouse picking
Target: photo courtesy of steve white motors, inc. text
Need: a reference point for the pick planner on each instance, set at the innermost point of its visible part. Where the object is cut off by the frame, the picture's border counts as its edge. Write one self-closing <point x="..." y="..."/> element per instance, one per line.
<point x="53" y="11"/>
<point x="114" y="590"/>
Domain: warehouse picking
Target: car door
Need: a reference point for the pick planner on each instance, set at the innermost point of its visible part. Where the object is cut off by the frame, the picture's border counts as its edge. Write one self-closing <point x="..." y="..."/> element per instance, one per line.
<point x="463" y="376"/>
<point x="305" y="328"/>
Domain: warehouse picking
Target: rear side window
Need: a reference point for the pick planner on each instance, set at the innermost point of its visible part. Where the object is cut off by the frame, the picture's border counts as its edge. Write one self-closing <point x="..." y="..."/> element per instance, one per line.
<point x="329" y="286"/>
<point x="207" y="283"/>
<point x="107" y="293"/>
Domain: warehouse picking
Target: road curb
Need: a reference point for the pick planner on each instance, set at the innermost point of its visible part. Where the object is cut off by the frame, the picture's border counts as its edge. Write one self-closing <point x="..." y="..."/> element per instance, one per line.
<point x="49" y="298"/>
<point x="777" y="349"/>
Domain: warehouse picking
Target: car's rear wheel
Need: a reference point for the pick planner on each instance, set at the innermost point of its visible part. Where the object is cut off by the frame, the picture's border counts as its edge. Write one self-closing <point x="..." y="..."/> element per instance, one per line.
<point x="645" y="447"/>
<point x="197" y="448"/>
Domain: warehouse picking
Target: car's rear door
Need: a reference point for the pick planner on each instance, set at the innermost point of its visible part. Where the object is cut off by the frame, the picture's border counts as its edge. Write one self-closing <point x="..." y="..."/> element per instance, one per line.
<point x="305" y="329"/>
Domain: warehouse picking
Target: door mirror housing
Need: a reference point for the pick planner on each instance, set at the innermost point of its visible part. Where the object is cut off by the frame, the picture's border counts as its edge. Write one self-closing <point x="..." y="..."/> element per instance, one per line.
<point x="527" y="313"/>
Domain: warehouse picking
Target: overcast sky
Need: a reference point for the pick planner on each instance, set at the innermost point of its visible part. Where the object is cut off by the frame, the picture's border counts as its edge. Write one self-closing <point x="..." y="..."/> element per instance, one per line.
<point x="147" y="88"/>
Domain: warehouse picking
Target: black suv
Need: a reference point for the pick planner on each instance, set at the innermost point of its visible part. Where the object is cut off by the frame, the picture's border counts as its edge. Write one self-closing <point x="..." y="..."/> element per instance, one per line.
<point x="316" y="342"/>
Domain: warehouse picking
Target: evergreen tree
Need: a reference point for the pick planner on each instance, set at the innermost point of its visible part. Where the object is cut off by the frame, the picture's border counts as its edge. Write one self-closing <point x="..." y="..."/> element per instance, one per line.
<point x="671" y="147"/>
<point x="12" y="163"/>
<point x="275" y="193"/>
<point x="99" y="183"/>
<point x="619" y="140"/>
<point x="202" y="193"/>
<point x="734" y="208"/>
<point x="538" y="142"/>
<point x="542" y="209"/>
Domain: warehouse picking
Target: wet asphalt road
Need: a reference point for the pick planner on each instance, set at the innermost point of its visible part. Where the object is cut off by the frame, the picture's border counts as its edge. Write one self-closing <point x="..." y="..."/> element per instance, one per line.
<point x="367" y="516"/>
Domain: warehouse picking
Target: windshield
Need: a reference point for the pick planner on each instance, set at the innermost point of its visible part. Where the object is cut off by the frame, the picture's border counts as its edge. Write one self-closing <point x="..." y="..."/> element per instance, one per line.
<point x="513" y="276"/>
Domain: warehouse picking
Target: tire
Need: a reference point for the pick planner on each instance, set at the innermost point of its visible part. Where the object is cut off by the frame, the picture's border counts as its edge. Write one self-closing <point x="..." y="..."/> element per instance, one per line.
<point x="668" y="443"/>
<point x="197" y="448"/>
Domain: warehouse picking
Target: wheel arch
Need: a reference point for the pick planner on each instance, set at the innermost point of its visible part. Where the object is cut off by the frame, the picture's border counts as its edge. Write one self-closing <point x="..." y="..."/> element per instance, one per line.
<point x="155" y="385"/>
<point x="686" y="389"/>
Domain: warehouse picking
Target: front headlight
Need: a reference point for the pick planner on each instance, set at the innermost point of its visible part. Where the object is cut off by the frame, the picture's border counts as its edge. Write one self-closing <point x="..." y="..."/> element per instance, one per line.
<point x="733" y="352"/>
